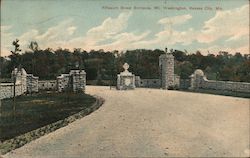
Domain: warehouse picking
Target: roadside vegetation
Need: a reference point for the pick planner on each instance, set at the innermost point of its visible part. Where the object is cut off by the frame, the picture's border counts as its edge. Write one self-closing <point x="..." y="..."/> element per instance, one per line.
<point x="37" y="110"/>
<point x="103" y="65"/>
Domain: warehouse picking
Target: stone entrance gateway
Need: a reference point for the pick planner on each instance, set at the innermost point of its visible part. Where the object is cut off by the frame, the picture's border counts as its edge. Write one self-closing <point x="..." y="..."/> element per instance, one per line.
<point x="167" y="79"/>
<point x="75" y="81"/>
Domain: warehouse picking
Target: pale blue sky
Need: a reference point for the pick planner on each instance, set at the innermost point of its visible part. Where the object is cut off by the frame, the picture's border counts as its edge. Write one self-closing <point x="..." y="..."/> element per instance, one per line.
<point x="87" y="25"/>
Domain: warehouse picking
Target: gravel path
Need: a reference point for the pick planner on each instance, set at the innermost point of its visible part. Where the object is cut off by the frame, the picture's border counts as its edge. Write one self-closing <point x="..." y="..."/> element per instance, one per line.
<point x="151" y="123"/>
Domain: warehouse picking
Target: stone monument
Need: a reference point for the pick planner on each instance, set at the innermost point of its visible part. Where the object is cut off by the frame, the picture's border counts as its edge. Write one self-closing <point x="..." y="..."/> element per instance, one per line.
<point x="166" y="64"/>
<point x="125" y="80"/>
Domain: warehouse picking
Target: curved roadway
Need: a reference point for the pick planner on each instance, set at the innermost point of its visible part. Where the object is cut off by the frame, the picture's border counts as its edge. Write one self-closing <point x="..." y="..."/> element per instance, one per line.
<point x="151" y="123"/>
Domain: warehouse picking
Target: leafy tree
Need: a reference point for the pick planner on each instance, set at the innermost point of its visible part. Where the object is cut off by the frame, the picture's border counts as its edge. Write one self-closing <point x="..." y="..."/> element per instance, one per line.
<point x="186" y="69"/>
<point x="34" y="46"/>
<point x="105" y="65"/>
<point x="179" y="55"/>
<point x="15" y="56"/>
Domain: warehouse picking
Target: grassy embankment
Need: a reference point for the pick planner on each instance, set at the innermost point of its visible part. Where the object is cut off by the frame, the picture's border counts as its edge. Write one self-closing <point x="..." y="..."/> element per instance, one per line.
<point x="37" y="110"/>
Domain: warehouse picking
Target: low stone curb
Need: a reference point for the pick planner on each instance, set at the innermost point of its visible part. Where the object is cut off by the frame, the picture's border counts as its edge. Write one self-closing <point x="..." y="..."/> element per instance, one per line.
<point x="21" y="140"/>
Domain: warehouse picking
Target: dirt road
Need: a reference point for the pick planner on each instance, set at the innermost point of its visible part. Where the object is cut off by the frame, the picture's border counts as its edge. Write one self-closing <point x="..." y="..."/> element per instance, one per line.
<point x="151" y="123"/>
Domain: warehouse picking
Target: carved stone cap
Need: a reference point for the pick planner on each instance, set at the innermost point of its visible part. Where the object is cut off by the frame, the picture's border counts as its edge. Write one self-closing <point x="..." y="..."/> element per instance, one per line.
<point x="126" y="72"/>
<point x="199" y="72"/>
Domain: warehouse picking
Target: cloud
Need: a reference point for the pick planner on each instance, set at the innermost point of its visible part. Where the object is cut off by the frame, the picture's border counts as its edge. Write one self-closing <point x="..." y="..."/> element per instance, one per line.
<point x="108" y="28"/>
<point x="71" y="30"/>
<point x="231" y="27"/>
<point x="176" y="20"/>
<point x="227" y="30"/>
<point x="27" y="37"/>
<point x="229" y="23"/>
<point x="111" y="31"/>
<point x="215" y="49"/>
<point x="172" y="37"/>
<point x="169" y="36"/>
<point x="6" y="40"/>
<point x="124" y="41"/>
<point x="58" y="32"/>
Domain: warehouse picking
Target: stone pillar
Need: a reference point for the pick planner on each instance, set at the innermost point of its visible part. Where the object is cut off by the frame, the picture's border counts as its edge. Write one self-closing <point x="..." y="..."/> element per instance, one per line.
<point x="24" y="80"/>
<point x="21" y="80"/>
<point x="118" y="86"/>
<point x="32" y="83"/>
<point x="125" y="80"/>
<point x="196" y="79"/>
<point x="192" y="82"/>
<point x="78" y="80"/>
<point x="137" y="81"/>
<point x="166" y="64"/>
<point x="176" y="81"/>
<point x="63" y="82"/>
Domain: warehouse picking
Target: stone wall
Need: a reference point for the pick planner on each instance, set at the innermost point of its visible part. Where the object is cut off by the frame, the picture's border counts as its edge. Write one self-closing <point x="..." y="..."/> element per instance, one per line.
<point x="184" y="83"/>
<point x="7" y="90"/>
<point x="137" y="81"/>
<point x="75" y="81"/>
<point x="154" y="83"/>
<point x="200" y="81"/>
<point x="150" y="83"/>
<point x="24" y="83"/>
<point x="47" y="85"/>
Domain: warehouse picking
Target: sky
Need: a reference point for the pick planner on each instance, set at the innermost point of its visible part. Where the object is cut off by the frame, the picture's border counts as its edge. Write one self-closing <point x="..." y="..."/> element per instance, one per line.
<point x="209" y="26"/>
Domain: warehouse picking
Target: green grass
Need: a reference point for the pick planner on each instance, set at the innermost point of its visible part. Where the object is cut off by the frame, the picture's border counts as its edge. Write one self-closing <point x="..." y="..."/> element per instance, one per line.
<point x="38" y="110"/>
<point x="221" y="92"/>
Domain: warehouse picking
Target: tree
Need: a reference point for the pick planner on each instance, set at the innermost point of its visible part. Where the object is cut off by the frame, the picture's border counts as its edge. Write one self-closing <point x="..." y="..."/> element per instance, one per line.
<point x="16" y="57"/>
<point x="105" y="65"/>
<point x="186" y="69"/>
<point x="179" y="55"/>
<point x="33" y="46"/>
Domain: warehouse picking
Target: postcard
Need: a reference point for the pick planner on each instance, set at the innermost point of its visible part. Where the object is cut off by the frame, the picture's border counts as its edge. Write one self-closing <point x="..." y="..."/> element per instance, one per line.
<point x="114" y="78"/>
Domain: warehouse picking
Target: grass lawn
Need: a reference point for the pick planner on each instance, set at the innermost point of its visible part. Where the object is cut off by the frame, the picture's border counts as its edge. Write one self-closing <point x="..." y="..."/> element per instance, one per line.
<point x="39" y="110"/>
<point x="221" y="92"/>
